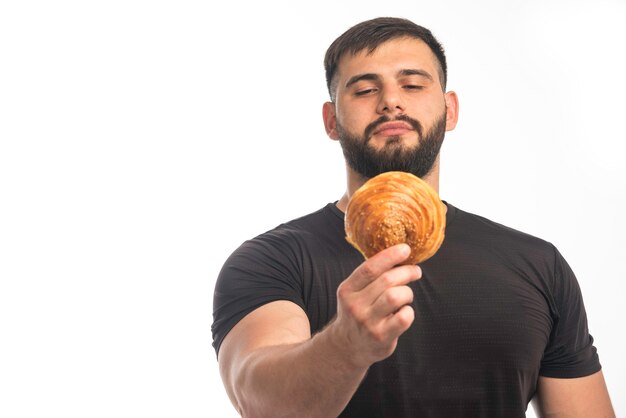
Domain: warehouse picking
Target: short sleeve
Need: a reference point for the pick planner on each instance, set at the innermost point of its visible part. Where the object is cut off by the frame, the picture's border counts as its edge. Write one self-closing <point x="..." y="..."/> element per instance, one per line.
<point x="260" y="271"/>
<point x="570" y="351"/>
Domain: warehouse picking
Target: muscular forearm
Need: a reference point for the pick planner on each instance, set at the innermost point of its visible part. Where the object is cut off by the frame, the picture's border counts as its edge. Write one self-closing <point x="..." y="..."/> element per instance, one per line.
<point x="313" y="378"/>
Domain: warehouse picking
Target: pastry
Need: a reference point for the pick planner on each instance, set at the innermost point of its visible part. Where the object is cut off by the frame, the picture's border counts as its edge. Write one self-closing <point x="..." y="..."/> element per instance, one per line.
<point x="393" y="208"/>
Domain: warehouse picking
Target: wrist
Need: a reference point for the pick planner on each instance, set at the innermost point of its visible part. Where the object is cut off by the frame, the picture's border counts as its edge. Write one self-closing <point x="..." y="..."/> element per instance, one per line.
<point x="345" y="353"/>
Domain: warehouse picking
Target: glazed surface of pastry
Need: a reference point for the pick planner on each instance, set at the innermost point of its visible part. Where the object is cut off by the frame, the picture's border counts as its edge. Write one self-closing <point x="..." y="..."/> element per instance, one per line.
<point x="393" y="208"/>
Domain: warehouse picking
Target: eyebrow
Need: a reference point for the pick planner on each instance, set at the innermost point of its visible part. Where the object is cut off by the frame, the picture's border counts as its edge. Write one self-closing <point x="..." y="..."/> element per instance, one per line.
<point x="376" y="77"/>
<point x="415" y="71"/>
<point x="359" y="77"/>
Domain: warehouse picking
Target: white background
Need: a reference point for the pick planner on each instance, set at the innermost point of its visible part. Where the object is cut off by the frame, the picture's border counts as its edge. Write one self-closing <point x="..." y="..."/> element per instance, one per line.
<point x="142" y="142"/>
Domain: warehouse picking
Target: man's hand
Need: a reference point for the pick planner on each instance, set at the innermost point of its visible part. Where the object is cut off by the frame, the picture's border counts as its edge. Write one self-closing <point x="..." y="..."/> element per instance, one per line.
<point x="373" y="306"/>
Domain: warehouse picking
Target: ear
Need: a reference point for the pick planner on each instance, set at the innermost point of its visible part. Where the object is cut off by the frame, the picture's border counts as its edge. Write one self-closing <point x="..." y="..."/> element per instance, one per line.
<point x="330" y="120"/>
<point x="452" y="110"/>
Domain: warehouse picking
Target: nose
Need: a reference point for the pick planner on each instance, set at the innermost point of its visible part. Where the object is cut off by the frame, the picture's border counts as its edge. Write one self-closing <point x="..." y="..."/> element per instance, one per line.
<point x="391" y="102"/>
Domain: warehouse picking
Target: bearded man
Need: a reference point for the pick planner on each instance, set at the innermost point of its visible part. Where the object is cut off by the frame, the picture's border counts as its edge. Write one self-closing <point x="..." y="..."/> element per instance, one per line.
<point x="304" y="327"/>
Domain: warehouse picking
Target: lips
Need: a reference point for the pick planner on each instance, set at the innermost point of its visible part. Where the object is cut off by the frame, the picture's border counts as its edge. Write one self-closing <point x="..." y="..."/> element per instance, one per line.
<point x="393" y="128"/>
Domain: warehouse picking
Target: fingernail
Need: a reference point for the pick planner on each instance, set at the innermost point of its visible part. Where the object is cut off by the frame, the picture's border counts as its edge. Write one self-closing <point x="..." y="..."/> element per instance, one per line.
<point x="419" y="271"/>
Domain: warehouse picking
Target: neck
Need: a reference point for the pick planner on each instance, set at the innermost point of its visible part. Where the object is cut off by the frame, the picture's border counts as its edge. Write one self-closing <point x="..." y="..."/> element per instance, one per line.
<point x="355" y="180"/>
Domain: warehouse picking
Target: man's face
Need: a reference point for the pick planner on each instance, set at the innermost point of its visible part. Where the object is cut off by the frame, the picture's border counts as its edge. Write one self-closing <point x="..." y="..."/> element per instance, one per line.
<point x="390" y="110"/>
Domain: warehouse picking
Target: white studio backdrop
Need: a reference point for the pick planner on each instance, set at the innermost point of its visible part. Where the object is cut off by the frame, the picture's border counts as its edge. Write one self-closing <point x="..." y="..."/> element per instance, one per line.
<point x="142" y="142"/>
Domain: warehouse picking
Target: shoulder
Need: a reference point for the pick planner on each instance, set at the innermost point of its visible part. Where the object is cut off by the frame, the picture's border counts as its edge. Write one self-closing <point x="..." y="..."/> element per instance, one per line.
<point x="479" y="241"/>
<point x="494" y="234"/>
<point x="264" y="269"/>
<point x="484" y="239"/>
<point x="297" y="231"/>
<point x="287" y="242"/>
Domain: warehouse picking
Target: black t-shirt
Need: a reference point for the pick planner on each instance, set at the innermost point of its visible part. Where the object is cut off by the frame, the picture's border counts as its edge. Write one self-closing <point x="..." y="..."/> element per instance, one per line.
<point x="495" y="308"/>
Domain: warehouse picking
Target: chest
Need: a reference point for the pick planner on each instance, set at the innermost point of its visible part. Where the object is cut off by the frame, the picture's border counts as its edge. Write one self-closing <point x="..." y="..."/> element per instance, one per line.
<point x="470" y="309"/>
<point x="487" y="315"/>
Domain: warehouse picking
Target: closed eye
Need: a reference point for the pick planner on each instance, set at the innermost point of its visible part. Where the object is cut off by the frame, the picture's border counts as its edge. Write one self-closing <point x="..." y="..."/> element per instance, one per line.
<point x="365" y="92"/>
<point x="413" y="87"/>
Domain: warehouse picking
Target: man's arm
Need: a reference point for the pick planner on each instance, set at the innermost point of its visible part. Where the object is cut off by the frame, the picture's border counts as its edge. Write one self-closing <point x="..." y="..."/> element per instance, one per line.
<point x="271" y="367"/>
<point x="584" y="397"/>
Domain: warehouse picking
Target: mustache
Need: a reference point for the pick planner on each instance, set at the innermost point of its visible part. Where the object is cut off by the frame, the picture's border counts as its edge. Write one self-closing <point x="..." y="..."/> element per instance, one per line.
<point x="369" y="129"/>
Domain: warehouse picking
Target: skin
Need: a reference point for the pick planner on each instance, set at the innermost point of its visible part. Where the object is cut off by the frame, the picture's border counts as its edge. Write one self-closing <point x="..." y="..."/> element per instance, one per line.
<point x="270" y="364"/>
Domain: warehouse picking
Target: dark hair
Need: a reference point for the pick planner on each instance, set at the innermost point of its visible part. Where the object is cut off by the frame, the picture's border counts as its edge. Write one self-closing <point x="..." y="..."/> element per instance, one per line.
<point x="372" y="33"/>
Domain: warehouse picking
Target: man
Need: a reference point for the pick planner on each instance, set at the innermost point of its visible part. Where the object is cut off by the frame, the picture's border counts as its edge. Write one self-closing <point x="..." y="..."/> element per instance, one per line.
<point x="304" y="327"/>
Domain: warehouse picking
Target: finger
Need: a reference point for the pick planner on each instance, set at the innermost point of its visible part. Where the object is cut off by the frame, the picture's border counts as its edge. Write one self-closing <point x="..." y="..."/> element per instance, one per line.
<point x="369" y="270"/>
<point x="391" y="301"/>
<point x="400" y="321"/>
<point x="397" y="276"/>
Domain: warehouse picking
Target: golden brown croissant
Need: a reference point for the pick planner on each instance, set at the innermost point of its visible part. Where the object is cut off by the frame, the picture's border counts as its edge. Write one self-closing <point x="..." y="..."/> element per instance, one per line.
<point x="393" y="208"/>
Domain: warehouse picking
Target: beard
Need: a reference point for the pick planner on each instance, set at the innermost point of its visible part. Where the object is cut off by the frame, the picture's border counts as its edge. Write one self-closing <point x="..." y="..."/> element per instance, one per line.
<point x="393" y="156"/>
